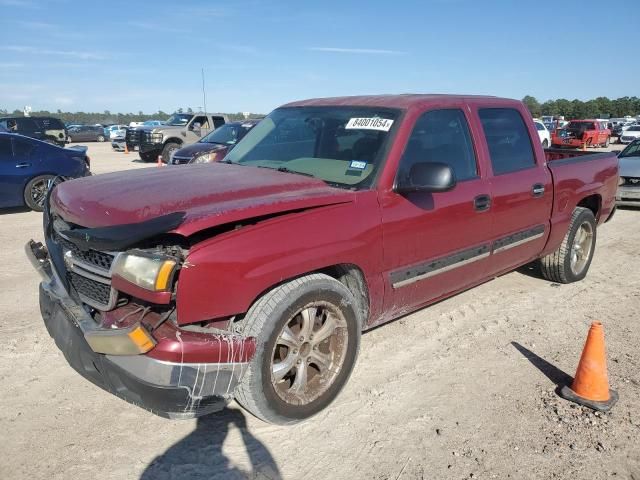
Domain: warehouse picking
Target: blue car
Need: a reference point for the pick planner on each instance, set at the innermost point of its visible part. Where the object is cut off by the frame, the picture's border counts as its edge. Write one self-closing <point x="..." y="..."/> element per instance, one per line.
<point x="28" y="167"/>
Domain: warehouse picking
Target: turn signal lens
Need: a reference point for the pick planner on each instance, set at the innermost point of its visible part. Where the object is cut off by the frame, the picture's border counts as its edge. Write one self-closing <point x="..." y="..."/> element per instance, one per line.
<point x="164" y="275"/>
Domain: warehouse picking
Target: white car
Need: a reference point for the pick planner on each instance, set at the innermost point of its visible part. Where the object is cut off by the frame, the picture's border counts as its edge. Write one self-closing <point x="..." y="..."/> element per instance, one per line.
<point x="543" y="133"/>
<point x="630" y="134"/>
<point x="113" y="130"/>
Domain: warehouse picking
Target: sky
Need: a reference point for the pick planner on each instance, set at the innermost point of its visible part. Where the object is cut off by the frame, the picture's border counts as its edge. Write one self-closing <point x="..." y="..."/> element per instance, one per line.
<point x="130" y="56"/>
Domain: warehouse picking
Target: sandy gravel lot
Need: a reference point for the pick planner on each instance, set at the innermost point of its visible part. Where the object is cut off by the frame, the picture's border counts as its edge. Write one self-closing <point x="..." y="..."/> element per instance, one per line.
<point x="464" y="389"/>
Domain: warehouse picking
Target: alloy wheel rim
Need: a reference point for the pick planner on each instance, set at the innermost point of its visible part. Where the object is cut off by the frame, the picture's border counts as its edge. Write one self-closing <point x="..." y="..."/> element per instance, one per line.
<point x="581" y="248"/>
<point x="309" y="353"/>
<point x="39" y="191"/>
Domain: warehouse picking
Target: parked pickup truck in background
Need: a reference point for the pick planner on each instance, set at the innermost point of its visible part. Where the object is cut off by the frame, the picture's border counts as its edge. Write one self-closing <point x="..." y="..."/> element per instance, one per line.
<point x="181" y="129"/>
<point x="582" y="133"/>
<point x="254" y="277"/>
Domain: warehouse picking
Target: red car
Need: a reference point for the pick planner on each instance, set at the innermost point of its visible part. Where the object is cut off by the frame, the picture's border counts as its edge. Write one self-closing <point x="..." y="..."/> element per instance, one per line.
<point x="253" y="278"/>
<point x="582" y="133"/>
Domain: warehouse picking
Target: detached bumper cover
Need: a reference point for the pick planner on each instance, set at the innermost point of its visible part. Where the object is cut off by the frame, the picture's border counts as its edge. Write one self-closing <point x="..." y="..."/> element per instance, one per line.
<point x="168" y="389"/>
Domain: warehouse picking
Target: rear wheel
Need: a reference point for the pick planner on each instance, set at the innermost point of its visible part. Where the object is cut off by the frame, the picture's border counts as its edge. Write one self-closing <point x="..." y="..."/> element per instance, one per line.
<point x="36" y="191"/>
<point x="100" y="138"/>
<point x="168" y="149"/>
<point x="308" y="334"/>
<point x="571" y="261"/>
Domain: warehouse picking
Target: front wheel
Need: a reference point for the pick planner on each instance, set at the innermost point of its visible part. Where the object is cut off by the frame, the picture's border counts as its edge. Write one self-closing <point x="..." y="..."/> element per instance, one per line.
<point x="545" y="143"/>
<point x="167" y="150"/>
<point x="148" y="156"/>
<point x="571" y="261"/>
<point x="100" y="138"/>
<point x="36" y="191"/>
<point x="308" y="335"/>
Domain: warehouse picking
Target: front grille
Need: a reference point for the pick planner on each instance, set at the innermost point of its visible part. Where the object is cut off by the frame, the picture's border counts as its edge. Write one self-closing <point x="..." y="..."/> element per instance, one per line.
<point x="627" y="139"/>
<point x="133" y="136"/>
<point x="92" y="257"/>
<point x="98" y="293"/>
<point x="631" y="181"/>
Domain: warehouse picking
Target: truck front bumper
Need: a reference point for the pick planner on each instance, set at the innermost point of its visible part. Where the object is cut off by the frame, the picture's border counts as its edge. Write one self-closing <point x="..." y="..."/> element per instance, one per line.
<point x="169" y="389"/>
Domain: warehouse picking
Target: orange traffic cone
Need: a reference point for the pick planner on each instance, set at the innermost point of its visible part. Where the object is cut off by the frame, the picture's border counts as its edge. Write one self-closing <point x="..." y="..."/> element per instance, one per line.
<point x="160" y="164"/>
<point x="590" y="386"/>
<point x="126" y="149"/>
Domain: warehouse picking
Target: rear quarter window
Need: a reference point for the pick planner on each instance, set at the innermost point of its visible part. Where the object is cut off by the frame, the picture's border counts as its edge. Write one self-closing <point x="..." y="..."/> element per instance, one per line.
<point x="508" y="140"/>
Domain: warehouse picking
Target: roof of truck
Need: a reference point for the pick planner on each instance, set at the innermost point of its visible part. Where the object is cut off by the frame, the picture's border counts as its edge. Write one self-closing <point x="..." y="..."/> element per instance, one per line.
<point x="402" y="101"/>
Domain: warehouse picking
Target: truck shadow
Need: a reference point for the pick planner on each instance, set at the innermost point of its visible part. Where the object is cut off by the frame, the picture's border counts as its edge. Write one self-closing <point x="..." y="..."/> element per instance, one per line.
<point x="10" y="210"/>
<point x="199" y="454"/>
<point x="531" y="270"/>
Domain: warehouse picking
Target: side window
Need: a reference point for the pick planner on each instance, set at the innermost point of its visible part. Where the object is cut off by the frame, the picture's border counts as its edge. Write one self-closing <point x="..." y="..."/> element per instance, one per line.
<point x="441" y="136"/>
<point x="539" y="126"/>
<point x="21" y="148"/>
<point x="5" y="149"/>
<point x="508" y="140"/>
<point x="204" y="123"/>
<point x="217" y="122"/>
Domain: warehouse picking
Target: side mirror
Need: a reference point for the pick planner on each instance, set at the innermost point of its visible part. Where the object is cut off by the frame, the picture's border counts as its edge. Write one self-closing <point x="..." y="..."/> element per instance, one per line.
<point x="427" y="177"/>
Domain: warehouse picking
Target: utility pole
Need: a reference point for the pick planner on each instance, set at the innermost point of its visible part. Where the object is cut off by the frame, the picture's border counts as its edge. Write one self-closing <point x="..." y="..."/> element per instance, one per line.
<point x="204" y="94"/>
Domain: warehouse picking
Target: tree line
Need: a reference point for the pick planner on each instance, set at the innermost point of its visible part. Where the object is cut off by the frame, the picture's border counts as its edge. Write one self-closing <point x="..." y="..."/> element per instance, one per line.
<point x="107" y="117"/>
<point x="601" y="107"/>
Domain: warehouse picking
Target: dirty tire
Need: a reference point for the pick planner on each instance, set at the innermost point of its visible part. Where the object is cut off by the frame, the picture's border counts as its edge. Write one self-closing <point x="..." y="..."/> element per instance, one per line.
<point x="556" y="267"/>
<point x="148" y="156"/>
<point x="36" y="191"/>
<point x="167" y="150"/>
<point x="266" y="320"/>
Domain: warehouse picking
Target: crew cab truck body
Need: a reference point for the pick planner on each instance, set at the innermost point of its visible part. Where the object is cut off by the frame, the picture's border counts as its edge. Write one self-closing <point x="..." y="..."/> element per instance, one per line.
<point x="254" y="277"/>
<point x="582" y="133"/>
<point x="179" y="130"/>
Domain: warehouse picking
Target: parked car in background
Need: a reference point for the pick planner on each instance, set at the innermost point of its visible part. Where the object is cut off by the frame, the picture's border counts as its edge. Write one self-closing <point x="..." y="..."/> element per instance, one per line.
<point x="47" y="129"/>
<point x="630" y="134"/>
<point x="254" y="278"/>
<point x="214" y="146"/>
<point x="86" y="133"/>
<point x="118" y="143"/>
<point x="629" y="165"/>
<point x="27" y="166"/>
<point x="152" y="123"/>
<point x="543" y="133"/>
<point x="181" y="129"/>
<point x="579" y="133"/>
<point x="112" y="131"/>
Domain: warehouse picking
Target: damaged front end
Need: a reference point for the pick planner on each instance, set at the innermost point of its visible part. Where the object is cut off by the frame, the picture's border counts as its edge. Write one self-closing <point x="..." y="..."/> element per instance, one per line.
<point x="107" y="298"/>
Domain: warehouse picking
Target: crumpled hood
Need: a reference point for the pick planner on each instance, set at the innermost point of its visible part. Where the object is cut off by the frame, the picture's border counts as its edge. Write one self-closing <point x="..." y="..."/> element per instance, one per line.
<point x="208" y="194"/>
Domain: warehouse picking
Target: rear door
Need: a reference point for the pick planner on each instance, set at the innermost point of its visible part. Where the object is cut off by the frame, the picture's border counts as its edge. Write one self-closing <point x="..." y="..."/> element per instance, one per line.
<point x="16" y="167"/>
<point x="437" y="243"/>
<point x="521" y="187"/>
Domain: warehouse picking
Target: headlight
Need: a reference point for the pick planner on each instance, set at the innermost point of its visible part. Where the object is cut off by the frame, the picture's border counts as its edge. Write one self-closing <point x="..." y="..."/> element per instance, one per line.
<point x="205" y="158"/>
<point x="151" y="272"/>
<point x="156" y="137"/>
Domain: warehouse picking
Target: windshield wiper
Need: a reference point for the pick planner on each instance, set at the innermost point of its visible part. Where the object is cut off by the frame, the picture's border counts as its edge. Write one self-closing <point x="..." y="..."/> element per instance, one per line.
<point x="286" y="170"/>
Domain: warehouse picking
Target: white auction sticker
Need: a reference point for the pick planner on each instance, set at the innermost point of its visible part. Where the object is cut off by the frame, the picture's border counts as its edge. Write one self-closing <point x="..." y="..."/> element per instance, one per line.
<point x="374" y="123"/>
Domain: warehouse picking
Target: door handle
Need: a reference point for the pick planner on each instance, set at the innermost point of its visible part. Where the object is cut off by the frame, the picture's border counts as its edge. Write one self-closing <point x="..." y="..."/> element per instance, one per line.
<point x="23" y="165"/>
<point x="482" y="203"/>
<point x="537" y="190"/>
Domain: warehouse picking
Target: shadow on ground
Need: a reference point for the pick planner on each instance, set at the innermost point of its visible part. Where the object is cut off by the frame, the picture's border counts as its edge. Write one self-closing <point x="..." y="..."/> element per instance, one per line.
<point x="10" y="210"/>
<point x="552" y="372"/>
<point x="199" y="454"/>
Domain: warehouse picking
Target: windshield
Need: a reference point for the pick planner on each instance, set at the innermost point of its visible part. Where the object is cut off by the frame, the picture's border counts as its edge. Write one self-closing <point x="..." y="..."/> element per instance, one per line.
<point x="580" y="126"/>
<point x="179" y="119"/>
<point x="228" y="134"/>
<point x="632" y="150"/>
<point x="633" y="129"/>
<point x="343" y="146"/>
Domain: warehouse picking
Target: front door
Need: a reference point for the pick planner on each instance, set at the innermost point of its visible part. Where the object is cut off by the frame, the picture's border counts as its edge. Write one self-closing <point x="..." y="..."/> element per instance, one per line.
<point x="521" y="188"/>
<point x="437" y="243"/>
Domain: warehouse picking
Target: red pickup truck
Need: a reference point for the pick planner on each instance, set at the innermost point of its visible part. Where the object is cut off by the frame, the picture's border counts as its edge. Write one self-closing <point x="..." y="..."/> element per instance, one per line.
<point x="582" y="133"/>
<point x="253" y="278"/>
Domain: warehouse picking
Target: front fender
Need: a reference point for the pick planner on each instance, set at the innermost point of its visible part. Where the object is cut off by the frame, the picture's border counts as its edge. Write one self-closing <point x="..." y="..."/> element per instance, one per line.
<point x="224" y="275"/>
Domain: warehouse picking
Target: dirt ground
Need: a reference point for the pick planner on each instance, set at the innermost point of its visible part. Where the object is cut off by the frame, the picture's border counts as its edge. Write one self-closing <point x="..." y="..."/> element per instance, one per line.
<point x="463" y="389"/>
